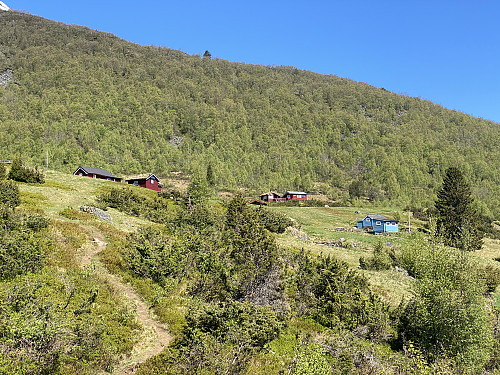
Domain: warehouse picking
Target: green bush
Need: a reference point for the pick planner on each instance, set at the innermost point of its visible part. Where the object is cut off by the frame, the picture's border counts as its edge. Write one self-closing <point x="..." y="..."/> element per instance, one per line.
<point x="22" y="246"/>
<point x="449" y="316"/>
<point x="222" y="337"/>
<point x="273" y="221"/>
<point x="10" y="196"/>
<point x="152" y="254"/>
<point x="19" y="172"/>
<point x="3" y="171"/>
<point x="338" y="297"/>
<point x="381" y="259"/>
<point x="62" y="322"/>
<point x="491" y="277"/>
<point x="156" y="209"/>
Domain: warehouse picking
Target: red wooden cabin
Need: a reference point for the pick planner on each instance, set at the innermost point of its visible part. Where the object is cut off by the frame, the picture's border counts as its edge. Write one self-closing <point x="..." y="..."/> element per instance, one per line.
<point x="295" y="195"/>
<point x="150" y="182"/>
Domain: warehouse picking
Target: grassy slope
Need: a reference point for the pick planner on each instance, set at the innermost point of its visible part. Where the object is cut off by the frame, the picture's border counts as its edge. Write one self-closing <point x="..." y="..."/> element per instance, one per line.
<point x="319" y="223"/>
<point x="66" y="190"/>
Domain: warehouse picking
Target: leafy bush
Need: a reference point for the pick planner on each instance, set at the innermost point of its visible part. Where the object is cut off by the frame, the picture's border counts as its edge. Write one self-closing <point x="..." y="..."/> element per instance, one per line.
<point x="448" y="317"/>
<point x="124" y="200"/>
<point x="3" y="171"/>
<point x="157" y="209"/>
<point x="152" y="254"/>
<point x="491" y="277"/>
<point x="222" y="337"/>
<point x="19" y="172"/>
<point x="60" y="322"/>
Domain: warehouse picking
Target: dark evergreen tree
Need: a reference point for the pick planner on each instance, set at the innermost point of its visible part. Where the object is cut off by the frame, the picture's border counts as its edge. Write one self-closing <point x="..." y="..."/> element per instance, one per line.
<point x="458" y="222"/>
<point x="207" y="55"/>
<point x="210" y="175"/>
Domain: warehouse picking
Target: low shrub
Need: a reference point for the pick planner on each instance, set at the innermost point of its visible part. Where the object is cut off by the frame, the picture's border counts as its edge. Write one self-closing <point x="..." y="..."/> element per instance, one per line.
<point x="220" y="338"/>
<point x="338" y="297"/>
<point x="62" y="322"/>
<point x="154" y="208"/>
<point x="21" y="173"/>
<point x="380" y="260"/>
<point x="10" y="196"/>
<point x="273" y="221"/>
<point x="23" y="245"/>
<point x="72" y="214"/>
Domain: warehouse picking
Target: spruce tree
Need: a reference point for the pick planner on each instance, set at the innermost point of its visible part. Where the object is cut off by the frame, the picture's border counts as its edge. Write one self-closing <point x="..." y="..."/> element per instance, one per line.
<point x="458" y="222"/>
<point x="210" y="175"/>
<point x="198" y="189"/>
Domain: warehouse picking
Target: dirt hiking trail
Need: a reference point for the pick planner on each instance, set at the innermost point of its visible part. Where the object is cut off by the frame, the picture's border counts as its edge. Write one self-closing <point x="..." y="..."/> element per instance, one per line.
<point x="155" y="336"/>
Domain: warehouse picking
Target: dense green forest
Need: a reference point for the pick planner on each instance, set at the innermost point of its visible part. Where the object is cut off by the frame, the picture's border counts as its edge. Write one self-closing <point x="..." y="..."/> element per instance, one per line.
<point x="91" y="98"/>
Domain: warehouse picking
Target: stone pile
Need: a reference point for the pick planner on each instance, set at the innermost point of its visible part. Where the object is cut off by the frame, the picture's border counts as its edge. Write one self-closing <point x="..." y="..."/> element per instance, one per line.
<point x="101" y="214"/>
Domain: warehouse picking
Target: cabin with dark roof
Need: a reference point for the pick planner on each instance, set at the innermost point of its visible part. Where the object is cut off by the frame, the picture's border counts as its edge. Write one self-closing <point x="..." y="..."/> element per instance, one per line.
<point x="378" y="224"/>
<point x="96" y="173"/>
<point x="295" y="195"/>
<point x="149" y="182"/>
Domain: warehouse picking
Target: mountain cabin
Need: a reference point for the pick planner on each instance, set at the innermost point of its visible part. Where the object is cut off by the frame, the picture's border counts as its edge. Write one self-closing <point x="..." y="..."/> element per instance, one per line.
<point x="378" y="224"/>
<point x="295" y="195"/>
<point x="289" y="195"/>
<point x="96" y="173"/>
<point x="149" y="182"/>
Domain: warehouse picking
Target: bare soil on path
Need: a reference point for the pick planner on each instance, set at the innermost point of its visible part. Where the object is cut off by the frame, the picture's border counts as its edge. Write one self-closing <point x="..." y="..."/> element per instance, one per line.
<point x="155" y="336"/>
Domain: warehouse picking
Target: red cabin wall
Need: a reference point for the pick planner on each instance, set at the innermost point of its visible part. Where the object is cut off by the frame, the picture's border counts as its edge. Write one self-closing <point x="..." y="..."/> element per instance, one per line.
<point x="148" y="185"/>
<point x="294" y="198"/>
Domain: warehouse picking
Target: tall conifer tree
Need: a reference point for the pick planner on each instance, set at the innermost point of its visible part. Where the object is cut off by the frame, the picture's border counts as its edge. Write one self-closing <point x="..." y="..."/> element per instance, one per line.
<point x="458" y="222"/>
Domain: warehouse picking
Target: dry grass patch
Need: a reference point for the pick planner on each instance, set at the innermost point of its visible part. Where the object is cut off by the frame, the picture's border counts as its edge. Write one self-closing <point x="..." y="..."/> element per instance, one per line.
<point x="69" y="238"/>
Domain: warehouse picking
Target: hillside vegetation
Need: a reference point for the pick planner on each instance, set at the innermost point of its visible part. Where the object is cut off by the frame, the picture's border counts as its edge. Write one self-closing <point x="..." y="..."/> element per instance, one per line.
<point x="93" y="99"/>
<point x="241" y="290"/>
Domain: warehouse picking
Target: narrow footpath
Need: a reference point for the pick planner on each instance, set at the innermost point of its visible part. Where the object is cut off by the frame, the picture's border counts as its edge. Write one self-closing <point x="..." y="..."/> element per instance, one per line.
<point x="155" y="336"/>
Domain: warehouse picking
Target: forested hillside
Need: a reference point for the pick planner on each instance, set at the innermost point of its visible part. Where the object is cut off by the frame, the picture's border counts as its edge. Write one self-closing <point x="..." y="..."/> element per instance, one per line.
<point x="93" y="99"/>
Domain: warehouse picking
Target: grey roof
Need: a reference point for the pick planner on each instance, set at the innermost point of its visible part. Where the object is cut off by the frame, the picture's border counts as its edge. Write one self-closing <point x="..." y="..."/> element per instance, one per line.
<point x="380" y="217"/>
<point x="295" y="192"/>
<point x="100" y="171"/>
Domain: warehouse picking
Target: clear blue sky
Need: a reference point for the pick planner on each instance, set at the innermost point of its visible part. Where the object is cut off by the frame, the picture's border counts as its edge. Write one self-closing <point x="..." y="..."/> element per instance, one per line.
<point x="446" y="51"/>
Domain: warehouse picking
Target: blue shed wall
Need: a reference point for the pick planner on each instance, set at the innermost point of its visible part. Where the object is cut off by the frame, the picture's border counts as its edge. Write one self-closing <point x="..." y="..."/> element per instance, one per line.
<point x="378" y="226"/>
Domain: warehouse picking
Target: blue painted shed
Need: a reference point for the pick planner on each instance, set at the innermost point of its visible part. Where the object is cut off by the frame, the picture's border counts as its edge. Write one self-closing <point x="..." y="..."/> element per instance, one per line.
<point x="378" y="224"/>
